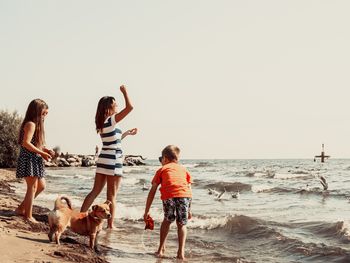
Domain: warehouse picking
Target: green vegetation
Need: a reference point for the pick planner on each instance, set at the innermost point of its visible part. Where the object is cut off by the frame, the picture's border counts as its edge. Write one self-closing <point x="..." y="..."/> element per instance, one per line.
<point x="9" y="149"/>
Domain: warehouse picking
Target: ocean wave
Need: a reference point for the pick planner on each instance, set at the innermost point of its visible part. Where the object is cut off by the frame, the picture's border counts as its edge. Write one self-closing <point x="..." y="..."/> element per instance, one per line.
<point x="268" y="174"/>
<point x="258" y="174"/>
<point x="190" y="165"/>
<point x="299" y="172"/>
<point x="279" y="190"/>
<point x="83" y="177"/>
<point x="136" y="170"/>
<point x="273" y="174"/>
<point x="129" y="213"/>
<point x="237" y="224"/>
<point x="130" y="180"/>
<point x="318" y="252"/>
<point x="344" y="230"/>
<point x="213" y="255"/>
<point x="292" y="176"/>
<point x="203" y="164"/>
<point x="207" y="223"/>
<point x="324" y="193"/>
<point x="260" y="188"/>
<point x="229" y="186"/>
<point x="312" y="191"/>
<point x="60" y="176"/>
<point x="266" y="233"/>
<point x="339" y="230"/>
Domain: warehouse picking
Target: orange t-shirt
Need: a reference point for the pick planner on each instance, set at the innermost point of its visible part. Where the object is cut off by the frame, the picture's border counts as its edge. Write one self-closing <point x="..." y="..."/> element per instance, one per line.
<point x="175" y="181"/>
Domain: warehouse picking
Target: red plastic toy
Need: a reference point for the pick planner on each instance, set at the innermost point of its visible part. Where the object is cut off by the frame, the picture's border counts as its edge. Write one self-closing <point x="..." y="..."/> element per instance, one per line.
<point x="149" y="223"/>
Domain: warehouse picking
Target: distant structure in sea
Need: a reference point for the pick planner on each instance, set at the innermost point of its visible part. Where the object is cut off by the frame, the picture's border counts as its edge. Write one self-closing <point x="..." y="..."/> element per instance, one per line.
<point x="322" y="156"/>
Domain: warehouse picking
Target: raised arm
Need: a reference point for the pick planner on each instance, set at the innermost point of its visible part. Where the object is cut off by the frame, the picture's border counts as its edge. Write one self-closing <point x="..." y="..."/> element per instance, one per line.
<point x="128" y="107"/>
<point x="150" y="198"/>
<point x="29" y="130"/>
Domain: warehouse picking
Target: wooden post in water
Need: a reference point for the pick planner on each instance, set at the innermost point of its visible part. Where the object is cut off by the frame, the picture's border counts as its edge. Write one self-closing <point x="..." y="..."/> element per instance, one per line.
<point x="322" y="156"/>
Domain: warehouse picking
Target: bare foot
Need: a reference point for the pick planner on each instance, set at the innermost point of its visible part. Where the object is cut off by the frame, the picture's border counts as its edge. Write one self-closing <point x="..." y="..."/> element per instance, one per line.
<point x="32" y="220"/>
<point x="19" y="212"/>
<point x="160" y="253"/>
<point x="181" y="257"/>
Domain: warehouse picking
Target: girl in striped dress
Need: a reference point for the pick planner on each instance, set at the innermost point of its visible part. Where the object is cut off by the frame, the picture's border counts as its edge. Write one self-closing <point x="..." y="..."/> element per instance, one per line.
<point x="110" y="160"/>
<point x="30" y="165"/>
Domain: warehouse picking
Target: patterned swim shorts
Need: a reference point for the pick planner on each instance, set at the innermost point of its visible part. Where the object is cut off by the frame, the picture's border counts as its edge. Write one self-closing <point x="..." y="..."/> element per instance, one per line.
<point x="180" y="205"/>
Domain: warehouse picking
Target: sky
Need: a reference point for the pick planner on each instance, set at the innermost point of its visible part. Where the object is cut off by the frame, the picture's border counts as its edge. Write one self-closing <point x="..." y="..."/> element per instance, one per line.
<point x="220" y="79"/>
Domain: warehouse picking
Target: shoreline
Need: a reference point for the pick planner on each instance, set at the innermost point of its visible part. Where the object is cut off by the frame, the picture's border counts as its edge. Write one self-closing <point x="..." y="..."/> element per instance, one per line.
<point x="31" y="238"/>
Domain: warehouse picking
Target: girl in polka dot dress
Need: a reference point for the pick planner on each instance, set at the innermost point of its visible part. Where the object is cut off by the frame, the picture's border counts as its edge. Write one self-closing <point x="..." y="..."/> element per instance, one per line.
<point x="30" y="164"/>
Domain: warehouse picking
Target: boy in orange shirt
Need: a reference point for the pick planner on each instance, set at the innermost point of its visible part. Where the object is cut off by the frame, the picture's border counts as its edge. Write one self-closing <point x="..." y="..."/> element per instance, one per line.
<point x="176" y="194"/>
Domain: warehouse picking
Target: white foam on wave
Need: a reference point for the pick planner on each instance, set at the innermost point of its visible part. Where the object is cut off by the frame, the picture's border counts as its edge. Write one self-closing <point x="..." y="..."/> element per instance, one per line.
<point x="207" y="223"/>
<point x="71" y="175"/>
<point x="258" y="174"/>
<point x="136" y="213"/>
<point x="135" y="170"/>
<point x="130" y="213"/>
<point x="192" y="165"/>
<point x="130" y="180"/>
<point x="289" y="176"/>
<point x="126" y="170"/>
<point x="345" y="230"/>
<point x="260" y="188"/>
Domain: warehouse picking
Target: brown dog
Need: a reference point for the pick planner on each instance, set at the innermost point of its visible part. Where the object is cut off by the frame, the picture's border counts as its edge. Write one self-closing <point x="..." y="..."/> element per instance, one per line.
<point x="83" y="223"/>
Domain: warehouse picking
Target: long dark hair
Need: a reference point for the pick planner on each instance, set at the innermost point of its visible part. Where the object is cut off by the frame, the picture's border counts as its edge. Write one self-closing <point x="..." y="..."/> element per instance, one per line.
<point x="102" y="112"/>
<point x="34" y="111"/>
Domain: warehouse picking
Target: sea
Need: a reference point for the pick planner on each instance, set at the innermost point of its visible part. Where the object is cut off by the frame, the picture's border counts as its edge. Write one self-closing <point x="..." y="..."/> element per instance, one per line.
<point x="282" y="213"/>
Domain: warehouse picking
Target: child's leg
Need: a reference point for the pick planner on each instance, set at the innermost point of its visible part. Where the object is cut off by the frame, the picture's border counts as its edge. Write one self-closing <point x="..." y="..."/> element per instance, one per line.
<point x="32" y="184"/>
<point x="169" y="217"/>
<point x="113" y="183"/>
<point x="182" y="208"/>
<point x="40" y="187"/>
<point x="181" y="235"/>
<point x="164" y="230"/>
<point x="100" y="181"/>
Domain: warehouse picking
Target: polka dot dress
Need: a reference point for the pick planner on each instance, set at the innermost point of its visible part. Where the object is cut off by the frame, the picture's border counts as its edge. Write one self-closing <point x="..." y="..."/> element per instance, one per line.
<point x="29" y="163"/>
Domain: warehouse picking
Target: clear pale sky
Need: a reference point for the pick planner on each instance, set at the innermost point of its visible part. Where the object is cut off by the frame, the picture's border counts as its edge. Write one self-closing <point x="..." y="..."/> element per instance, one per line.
<point x="220" y="79"/>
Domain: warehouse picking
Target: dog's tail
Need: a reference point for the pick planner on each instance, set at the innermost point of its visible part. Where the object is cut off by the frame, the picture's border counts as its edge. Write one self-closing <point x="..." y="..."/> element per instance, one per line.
<point x="59" y="204"/>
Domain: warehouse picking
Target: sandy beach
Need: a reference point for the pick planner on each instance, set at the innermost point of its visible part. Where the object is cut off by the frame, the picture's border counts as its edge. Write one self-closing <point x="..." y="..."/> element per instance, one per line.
<point x="21" y="241"/>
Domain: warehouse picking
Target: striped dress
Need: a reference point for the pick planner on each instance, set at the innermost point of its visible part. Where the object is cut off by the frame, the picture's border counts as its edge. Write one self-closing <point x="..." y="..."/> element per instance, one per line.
<point x="110" y="159"/>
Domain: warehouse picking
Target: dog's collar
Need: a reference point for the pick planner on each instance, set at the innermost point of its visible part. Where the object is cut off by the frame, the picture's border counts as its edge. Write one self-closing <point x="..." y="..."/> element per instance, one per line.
<point x="94" y="217"/>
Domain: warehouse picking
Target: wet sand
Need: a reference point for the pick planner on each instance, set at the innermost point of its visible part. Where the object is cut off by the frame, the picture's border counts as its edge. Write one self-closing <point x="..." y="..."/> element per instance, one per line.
<point x="23" y="241"/>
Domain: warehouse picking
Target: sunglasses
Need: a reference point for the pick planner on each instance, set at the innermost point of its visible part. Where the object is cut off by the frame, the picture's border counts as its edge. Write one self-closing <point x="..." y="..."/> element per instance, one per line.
<point x="160" y="159"/>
